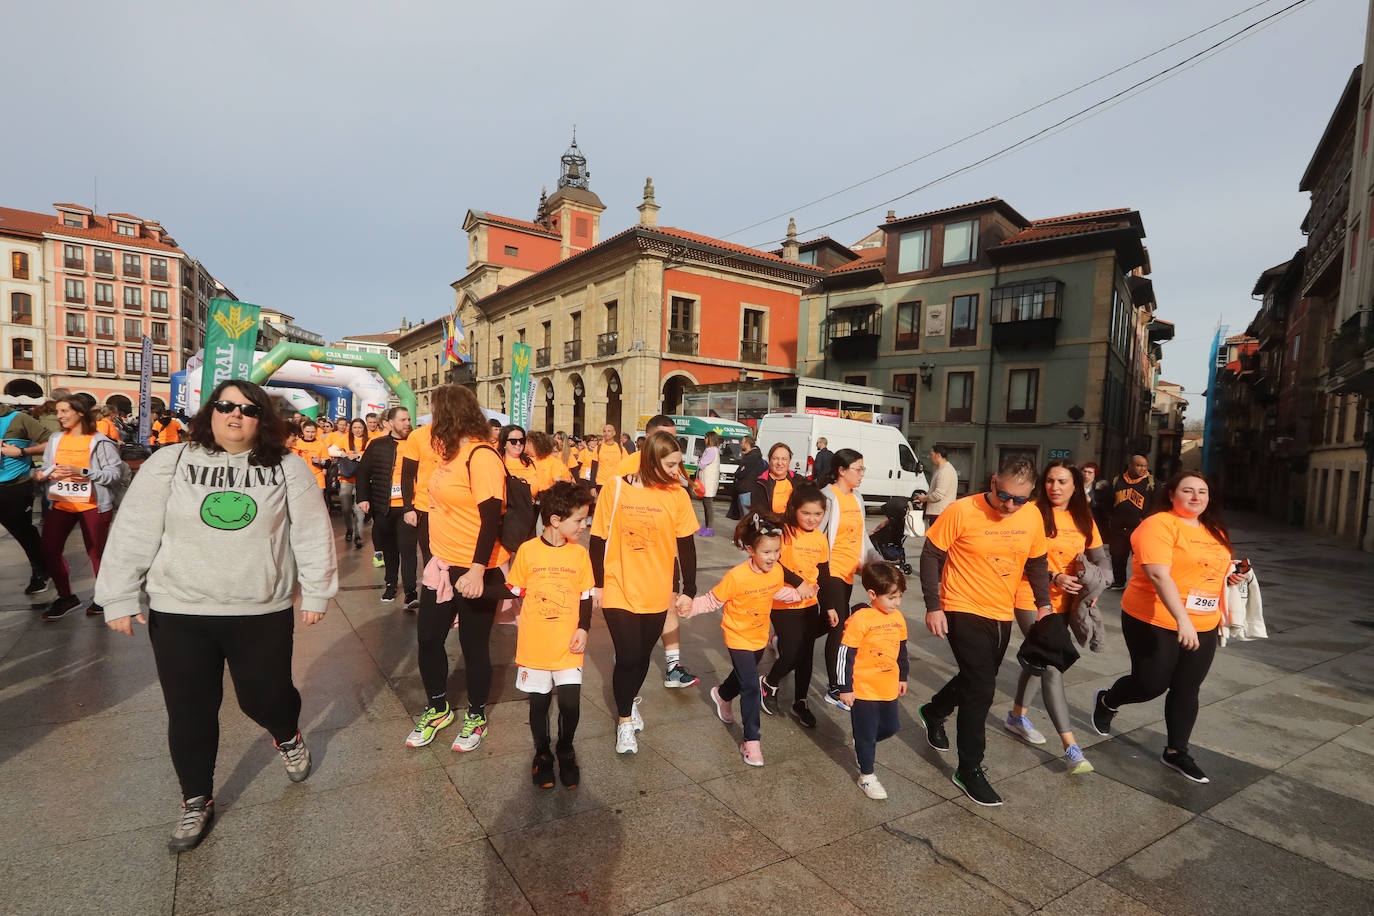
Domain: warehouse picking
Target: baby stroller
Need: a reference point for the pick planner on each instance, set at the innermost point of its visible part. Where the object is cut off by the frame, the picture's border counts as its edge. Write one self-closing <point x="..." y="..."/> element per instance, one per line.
<point x="889" y="537"/>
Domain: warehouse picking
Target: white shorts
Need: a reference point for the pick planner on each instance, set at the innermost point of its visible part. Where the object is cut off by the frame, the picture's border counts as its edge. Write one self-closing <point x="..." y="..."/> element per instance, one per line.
<point x="538" y="680"/>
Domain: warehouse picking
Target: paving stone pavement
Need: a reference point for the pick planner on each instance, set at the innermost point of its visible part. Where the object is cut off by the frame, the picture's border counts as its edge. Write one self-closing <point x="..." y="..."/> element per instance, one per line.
<point x="685" y="827"/>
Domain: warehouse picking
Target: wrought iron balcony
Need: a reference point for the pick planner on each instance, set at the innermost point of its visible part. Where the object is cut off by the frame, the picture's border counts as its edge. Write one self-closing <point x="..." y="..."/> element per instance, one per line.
<point x="753" y="351"/>
<point x="684" y="342"/>
<point x="572" y="351"/>
<point x="498" y="366"/>
<point x="541" y="358"/>
<point x="607" y="344"/>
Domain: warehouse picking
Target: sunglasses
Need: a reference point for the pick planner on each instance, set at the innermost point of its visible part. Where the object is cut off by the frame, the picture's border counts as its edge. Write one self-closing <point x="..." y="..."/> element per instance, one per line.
<point x="251" y="411"/>
<point x="514" y="441"/>
<point x="1019" y="500"/>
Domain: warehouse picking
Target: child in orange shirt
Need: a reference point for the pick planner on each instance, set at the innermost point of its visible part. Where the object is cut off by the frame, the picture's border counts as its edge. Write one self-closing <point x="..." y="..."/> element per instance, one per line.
<point x="747" y="593"/>
<point x="553" y="573"/>
<point x="872" y="668"/>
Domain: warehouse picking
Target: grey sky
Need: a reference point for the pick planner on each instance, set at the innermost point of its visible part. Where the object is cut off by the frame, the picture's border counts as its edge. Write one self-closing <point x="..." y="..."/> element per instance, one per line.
<point x="319" y="157"/>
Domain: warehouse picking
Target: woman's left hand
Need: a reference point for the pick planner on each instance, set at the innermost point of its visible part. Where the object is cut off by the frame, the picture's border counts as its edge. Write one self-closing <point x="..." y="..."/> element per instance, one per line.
<point x="310" y="618"/>
<point x="1235" y="579"/>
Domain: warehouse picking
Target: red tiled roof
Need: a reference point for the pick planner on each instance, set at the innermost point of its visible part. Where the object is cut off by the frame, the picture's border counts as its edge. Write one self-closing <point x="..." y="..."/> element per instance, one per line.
<point x="1038" y="232"/>
<point x="73" y="207"/>
<point x="1170" y="324"/>
<point x="24" y="222"/>
<point x="1076" y="216"/>
<point x="518" y="224"/>
<point x="126" y="216"/>
<point x="727" y="246"/>
<point x="29" y="221"/>
<point x="974" y="203"/>
<point x="865" y="262"/>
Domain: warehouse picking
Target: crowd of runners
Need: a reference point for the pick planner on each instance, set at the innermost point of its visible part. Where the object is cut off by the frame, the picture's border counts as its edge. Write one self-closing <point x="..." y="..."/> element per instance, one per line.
<point x="218" y="536"/>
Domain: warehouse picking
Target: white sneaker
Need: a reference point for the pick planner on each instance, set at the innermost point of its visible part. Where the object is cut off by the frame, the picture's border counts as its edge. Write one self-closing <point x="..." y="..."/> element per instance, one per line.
<point x="636" y="719"/>
<point x="625" y="742"/>
<point x="1021" y="727"/>
<point x="723" y="711"/>
<point x="872" y="788"/>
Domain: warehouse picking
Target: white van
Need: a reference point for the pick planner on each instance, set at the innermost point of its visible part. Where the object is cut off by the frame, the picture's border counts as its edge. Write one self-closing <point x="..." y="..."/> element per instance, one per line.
<point x="890" y="464"/>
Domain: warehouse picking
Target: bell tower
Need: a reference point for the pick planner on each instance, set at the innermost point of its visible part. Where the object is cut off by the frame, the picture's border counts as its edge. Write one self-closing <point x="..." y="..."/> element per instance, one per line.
<point x="573" y="210"/>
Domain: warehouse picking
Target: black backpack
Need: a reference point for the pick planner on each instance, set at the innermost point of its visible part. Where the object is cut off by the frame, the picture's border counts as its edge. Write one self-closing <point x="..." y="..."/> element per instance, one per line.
<point x="517" y="524"/>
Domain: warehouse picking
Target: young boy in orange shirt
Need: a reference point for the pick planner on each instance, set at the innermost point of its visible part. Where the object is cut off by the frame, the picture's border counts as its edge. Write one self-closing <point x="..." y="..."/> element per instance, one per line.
<point x="873" y="666"/>
<point x="553" y="573"/>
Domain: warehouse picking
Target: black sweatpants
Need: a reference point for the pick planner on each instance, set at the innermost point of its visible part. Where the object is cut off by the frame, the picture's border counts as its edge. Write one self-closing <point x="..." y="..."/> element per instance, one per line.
<point x="978" y="644"/>
<point x="743" y="682"/>
<point x="634" y="637"/>
<point x="836" y="633"/>
<point x="797" y="632"/>
<point x="1119" y="543"/>
<point x="190" y="652"/>
<point x="475" y="618"/>
<point x="1159" y="663"/>
<point x="422" y="538"/>
<point x="396" y="540"/>
<point x="16" y="502"/>
<point x="569" y="712"/>
<point x="873" y="721"/>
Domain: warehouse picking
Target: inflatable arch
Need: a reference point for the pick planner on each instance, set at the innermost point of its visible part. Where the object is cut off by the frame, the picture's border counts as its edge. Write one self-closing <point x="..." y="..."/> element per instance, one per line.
<point x="328" y="366"/>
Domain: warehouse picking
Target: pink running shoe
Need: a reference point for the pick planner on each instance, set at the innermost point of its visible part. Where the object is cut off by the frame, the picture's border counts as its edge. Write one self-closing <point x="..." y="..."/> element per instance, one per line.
<point x="723" y="711"/>
<point x="752" y="752"/>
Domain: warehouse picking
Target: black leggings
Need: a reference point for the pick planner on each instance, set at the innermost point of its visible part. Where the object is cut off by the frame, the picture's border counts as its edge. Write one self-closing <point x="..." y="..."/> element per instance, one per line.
<point x="836" y="633"/>
<point x="16" y="502"/>
<point x="873" y="721"/>
<point x="797" y="633"/>
<point x="190" y="651"/>
<point x="634" y="637"/>
<point x="978" y="644"/>
<point x="743" y="682"/>
<point x="475" y="618"/>
<point x="569" y="711"/>
<point x="1159" y="663"/>
<point x="396" y="540"/>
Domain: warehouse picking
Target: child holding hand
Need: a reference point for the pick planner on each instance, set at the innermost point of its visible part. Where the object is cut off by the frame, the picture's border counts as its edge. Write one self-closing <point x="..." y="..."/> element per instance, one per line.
<point x="747" y="593"/>
<point x="553" y="573"/>
<point x="872" y="668"/>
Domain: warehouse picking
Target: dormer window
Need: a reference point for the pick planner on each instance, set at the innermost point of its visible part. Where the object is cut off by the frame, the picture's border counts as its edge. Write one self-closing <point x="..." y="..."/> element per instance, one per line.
<point x="126" y="229"/>
<point x="961" y="242"/>
<point x="73" y="221"/>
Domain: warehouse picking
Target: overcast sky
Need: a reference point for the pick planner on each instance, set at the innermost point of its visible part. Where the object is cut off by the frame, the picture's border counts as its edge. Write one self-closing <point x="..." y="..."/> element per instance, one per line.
<point x="319" y="157"/>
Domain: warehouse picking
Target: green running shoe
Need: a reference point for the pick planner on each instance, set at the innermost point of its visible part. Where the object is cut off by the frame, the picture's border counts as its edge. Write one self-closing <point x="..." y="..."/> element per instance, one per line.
<point x="430" y="722"/>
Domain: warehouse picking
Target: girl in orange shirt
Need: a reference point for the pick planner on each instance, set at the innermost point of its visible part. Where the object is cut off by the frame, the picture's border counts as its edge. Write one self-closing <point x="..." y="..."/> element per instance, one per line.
<point x="1171" y="613"/>
<point x="747" y="594"/>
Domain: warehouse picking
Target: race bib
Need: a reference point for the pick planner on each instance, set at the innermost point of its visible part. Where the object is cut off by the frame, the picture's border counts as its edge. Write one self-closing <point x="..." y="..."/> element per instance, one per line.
<point x="74" y="491"/>
<point x="1202" y="603"/>
<point x="395" y="491"/>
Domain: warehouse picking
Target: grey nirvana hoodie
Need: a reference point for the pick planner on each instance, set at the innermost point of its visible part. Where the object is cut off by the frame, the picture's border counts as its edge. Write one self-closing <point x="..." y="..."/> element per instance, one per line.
<point x="207" y="533"/>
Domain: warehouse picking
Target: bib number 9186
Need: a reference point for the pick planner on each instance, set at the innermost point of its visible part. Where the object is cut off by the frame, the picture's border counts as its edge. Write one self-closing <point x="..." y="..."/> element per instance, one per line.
<point x="70" y="490"/>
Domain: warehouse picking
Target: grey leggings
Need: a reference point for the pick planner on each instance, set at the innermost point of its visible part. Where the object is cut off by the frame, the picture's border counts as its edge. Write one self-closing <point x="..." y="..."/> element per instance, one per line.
<point x="1051" y="683"/>
<point x="348" y="507"/>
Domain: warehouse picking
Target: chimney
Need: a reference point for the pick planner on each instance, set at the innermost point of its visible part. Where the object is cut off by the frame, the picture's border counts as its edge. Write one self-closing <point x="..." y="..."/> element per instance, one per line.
<point x="891" y="215"/>
<point x="648" y="210"/>
<point x="790" y="250"/>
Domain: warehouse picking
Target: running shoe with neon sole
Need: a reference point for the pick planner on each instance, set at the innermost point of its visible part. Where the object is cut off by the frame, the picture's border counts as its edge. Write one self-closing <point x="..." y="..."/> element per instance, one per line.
<point x="470" y="738"/>
<point x="935" y="729"/>
<point x="196" y="815"/>
<point x="625" y="741"/>
<point x="636" y="718"/>
<point x="296" y="756"/>
<point x="679" y="676"/>
<point x="1078" y="764"/>
<point x="1021" y="727"/>
<point x="752" y="752"/>
<point x="723" y="711"/>
<point x="377" y="560"/>
<point x="976" y="786"/>
<point x="431" y="720"/>
<point x="872" y="788"/>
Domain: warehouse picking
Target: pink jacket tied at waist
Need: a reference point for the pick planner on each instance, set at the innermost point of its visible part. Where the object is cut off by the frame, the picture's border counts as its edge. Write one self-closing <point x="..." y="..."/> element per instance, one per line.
<point x="436" y="577"/>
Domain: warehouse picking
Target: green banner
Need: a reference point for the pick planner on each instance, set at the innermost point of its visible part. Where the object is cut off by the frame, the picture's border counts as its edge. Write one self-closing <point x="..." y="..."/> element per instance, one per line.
<point x="231" y="336"/>
<point x="521" y="385"/>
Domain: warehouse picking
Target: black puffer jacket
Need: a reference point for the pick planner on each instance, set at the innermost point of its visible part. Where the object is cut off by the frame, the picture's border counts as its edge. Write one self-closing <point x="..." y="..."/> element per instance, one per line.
<point x="376" y="472"/>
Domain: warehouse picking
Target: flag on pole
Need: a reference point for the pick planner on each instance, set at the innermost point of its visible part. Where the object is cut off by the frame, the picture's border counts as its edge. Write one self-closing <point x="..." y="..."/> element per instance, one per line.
<point x="456" y="348"/>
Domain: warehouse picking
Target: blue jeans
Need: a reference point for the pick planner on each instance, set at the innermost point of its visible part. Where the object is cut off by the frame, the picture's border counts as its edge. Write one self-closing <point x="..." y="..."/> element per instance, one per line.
<point x="873" y="721"/>
<point x="743" y="682"/>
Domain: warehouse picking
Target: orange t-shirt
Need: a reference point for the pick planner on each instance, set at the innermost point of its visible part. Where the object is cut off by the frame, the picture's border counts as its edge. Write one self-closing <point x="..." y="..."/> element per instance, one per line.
<point x="107" y="426"/>
<point x="782" y="491"/>
<point x="453" y="499"/>
<point x="549" y="471"/>
<point x="170" y="434"/>
<point x="848" y="551"/>
<point x="526" y="472"/>
<point x="748" y="598"/>
<point x="359" y="446"/>
<point x="987" y="555"/>
<point x="309" y="450"/>
<point x="553" y="581"/>
<point x="73" y="495"/>
<point x="629" y="466"/>
<point x="1060" y="551"/>
<point x="641" y="543"/>
<point x="1198" y="563"/>
<point x="419" y="447"/>
<point x="608" y="456"/>
<point x="803" y="552"/>
<point x="876" y="638"/>
<point x="585" y="458"/>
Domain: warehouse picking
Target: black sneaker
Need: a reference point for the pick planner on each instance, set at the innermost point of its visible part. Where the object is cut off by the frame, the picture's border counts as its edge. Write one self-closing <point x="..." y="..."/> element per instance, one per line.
<point x="37" y="585"/>
<point x="935" y="729"/>
<point x="542" y="770"/>
<point x="770" y="697"/>
<point x="803" y="714"/>
<point x="389" y="594"/>
<point x="196" y="815"/>
<point x="348" y="536"/>
<point x="976" y="787"/>
<point x="412" y="601"/>
<point x="1179" y="760"/>
<point x="94" y="610"/>
<point x="358" y="544"/>
<point x="568" y="770"/>
<point x="1102" y="714"/>
<point x="60" y="606"/>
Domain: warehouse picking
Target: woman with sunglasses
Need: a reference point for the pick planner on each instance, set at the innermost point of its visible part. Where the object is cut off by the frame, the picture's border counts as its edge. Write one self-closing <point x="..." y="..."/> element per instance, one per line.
<point x="974" y="558"/>
<point x="850" y="550"/>
<point x="220" y="531"/>
<point x="512" y="447"/>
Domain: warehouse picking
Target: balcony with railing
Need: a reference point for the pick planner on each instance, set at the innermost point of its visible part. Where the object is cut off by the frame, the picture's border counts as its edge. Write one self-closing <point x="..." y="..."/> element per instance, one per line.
<point x="572" y="351"/>
<point x="853" y="333"/>
<point x="753" y="351"/>
<point x="1026" y="315"/>
<point x="684" y="342"/>
<point x="608" y="344"/>
<point x="460" y="374"/>
<point x="498" y="366"/>
<point x="433" y="379"/>
<point x="541" y="358"/>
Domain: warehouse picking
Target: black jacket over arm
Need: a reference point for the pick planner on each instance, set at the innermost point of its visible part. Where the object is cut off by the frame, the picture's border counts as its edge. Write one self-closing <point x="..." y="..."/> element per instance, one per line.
<point x="375" y="472"/>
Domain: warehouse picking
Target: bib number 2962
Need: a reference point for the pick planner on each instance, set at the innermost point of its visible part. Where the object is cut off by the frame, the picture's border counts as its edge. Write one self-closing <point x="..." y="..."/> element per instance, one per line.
<point x="1201" y="603"/>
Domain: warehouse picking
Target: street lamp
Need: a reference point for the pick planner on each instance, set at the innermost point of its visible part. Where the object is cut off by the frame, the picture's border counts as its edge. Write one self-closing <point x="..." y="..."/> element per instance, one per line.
<point x="927" y="372"/>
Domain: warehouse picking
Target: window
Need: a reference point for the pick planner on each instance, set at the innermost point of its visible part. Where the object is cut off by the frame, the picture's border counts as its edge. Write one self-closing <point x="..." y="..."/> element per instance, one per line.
<point x="612" y="316"/>
<point x="806" y="257"/>
<point x="19" y="265"/>
<point x="74" y="291"/>
<point x="76" y="358"/>
<point x="905" y="382"/>
<point x="21" y="308"/>
<point x="104" y="261"/>
<point x="548" y="333"/>
<point x="73" y="257"/>
<point x="913" y="251"/>
<point x="961" y="456"/>
<point x="133" y="266"/>
<point x="157" y="300"/>
<point x="1026" y="301"/>
<point x="1364" y="141"/>
<point x="133" y="361"/>
<point x="512" y="251"/>
<point x="104" y="294"/>
<point x="959" y="396"/>
<point x="157" y="269"/>
<point x="133" y="330"/>
<point x="76" y="324"/>
<point x="104" y="360"/>
<point x="861" y="380"/>
<point x="582" y="226"/>
<point x="961" y="242"/>
<point x="753" y="326"/>
<point x="159" y="334"/>
<point x="682" y="337"/>
<point x="160" y="364"/>
<point x="126" y="229"/>
<point x="850" y="322"/>
<point x="963" y="321"/>
<point x="908" y="326"/>
<point x="73" y="221"/>
<point x="1023" y="391"/>
<point x="105" y="327"/>
<point x="133" y="298"/>
<point x="21" y="353"/>
<point x="680" y="317"/>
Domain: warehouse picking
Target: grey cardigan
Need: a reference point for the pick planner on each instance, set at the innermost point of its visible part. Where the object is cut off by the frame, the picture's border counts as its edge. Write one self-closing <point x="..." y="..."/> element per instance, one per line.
<point x="107" y="468"/>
